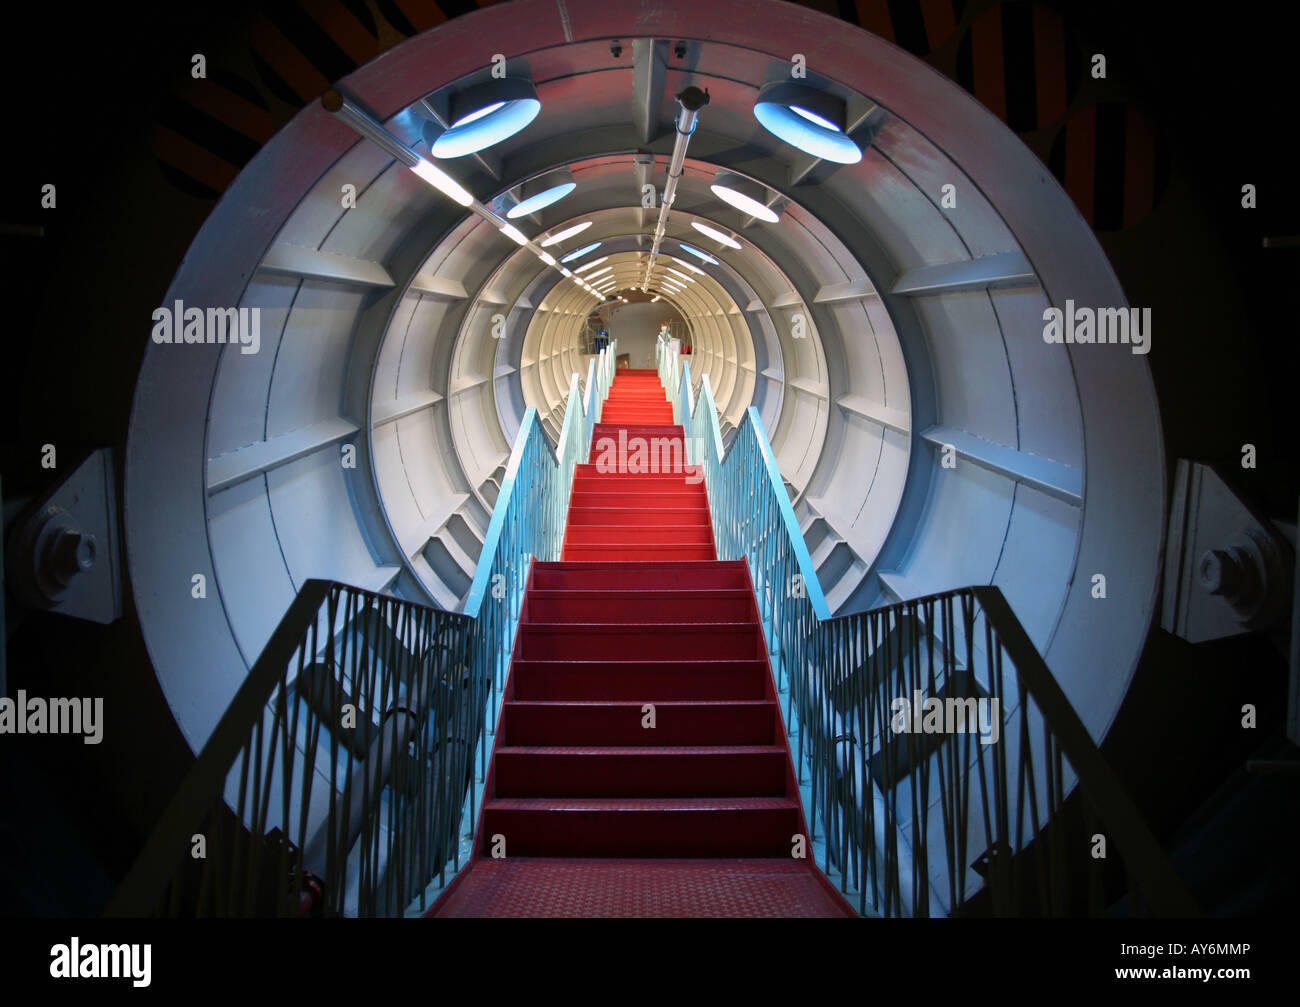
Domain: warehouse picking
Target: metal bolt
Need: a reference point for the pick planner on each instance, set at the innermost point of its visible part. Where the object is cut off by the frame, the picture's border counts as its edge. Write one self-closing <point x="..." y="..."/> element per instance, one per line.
<point x="70" y="553"/>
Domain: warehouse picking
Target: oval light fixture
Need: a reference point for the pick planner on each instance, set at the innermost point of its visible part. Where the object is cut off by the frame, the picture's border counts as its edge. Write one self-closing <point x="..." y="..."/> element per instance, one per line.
<point x="578" y="253"/>
<point x="538" y="193"/>
<point x="806" y="118"/>
<point x="594" y="262"/>
<point x="686" y="265"/>
<point x="486" y="114"/>
<point x="745" y="195"/>
<point x="568" y="232"/>
<point x="702" y="256"/>
<point x="720" y="237"/>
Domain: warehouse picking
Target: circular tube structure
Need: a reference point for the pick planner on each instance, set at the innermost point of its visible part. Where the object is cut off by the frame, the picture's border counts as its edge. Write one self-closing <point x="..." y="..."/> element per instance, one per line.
<point x="892" y="341"/>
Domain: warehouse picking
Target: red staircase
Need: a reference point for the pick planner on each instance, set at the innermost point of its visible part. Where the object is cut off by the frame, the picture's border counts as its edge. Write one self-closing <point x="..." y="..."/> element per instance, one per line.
<point x="600" y="813"/>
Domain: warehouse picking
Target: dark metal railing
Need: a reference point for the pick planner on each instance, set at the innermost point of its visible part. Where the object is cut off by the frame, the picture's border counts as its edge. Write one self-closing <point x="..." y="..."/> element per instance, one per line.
<point x="333" y="784"/>
<point x="339" y="779"/>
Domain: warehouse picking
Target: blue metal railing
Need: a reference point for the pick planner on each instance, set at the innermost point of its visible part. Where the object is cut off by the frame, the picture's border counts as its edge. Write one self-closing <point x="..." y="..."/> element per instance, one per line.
<point x="901" y="815"/>
<point x="527" y="521"/>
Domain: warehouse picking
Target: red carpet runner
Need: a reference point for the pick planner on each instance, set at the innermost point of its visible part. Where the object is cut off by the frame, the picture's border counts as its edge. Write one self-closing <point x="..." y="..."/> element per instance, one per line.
<point x="640" y="765"/>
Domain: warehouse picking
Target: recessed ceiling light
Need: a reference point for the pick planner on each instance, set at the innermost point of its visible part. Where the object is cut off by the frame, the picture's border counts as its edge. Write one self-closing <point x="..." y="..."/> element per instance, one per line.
<point x="598" y="272"/>
<point x="541" y="200"/>
<point x="655" y="298"/>
<point x="813" y="117"/>
<point x="806" y="118"/>
<point x="578" y="253"/>
<point x="702" y="256"/>
<point x="593" y="262"/>
<point x="715" y="234"/>
<point x="486" y="114"/>
<point x="568" y="232"/>
<point x="678" y="272"/>
<point x="745" y="195"/>
<point x="686" y="265"/>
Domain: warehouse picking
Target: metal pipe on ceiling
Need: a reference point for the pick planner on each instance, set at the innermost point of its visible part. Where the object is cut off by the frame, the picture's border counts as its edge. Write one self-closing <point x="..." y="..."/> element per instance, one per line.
<point x="373" y="130"/>
<point x="691" y="101"/>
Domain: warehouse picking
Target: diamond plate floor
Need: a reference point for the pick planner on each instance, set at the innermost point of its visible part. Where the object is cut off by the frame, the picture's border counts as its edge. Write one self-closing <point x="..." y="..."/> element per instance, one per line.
<point x="524" y="886"/>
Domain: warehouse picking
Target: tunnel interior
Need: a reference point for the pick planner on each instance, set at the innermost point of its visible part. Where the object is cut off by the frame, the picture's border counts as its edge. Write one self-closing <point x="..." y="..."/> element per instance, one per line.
<point x="884" y="316"/>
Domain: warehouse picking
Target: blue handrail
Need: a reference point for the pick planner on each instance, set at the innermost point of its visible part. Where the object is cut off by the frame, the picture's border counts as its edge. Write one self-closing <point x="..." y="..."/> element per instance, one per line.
<point x="527" y="522"/>
<point x="897" y="821"/>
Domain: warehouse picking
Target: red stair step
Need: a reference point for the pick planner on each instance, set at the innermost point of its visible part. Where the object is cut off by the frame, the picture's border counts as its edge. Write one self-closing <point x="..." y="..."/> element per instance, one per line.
<point x="701" y="575"/>
<point x="637" y="553"/>
<point x="680" y="534"/>
<point x="639" y="681"/>
<point x="677" y="722"/>
<point x="642" y="827"/>
<point x="695" y="771"/>
<point x="632" y="606"/>
<point x="647" y="641"/>
<point x="779" y="887"/>
<point x="639" y="516"/>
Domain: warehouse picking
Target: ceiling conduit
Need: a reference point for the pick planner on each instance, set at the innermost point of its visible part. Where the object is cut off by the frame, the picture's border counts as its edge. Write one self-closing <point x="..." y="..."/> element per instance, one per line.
<point x="691" y="100"/>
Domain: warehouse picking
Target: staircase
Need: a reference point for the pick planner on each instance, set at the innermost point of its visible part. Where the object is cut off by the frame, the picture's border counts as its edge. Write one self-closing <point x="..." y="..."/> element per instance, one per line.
<point x="640" y="766"/>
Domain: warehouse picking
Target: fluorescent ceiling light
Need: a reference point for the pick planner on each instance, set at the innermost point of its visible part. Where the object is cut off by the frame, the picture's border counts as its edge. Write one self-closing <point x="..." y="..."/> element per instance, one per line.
<point x="678" y="272"/>
<point x="565" y="271"/>
<point x="715" y="234"/>
<point x="441" y="181"/>
<point x="813" y="117"/>
<point x="578" y="253"/>
<point x="686" y="265"/>
<point x="568" y="232"/>
<point x="593" y="262"/>
<point x="744" y="203"/>
<point x="806" y="118"/>
<point x="547" y="257"/>
<point x="598" y="272"/>
<point x="541" y="200"/>
<point x="702" y="256"/>
<point x="486" y="114"/>
<point x="514" y="234"/>
<point x="655" y="298"/>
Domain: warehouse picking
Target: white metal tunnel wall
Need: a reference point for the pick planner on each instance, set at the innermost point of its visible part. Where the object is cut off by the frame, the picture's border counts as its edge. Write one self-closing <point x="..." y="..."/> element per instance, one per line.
<point x="378" y="332"/>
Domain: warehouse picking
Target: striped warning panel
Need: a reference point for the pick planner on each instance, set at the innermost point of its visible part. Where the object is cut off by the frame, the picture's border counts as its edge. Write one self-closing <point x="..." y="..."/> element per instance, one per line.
<point x="1022" y="61"/>
<point x="919" y="26"/>
<point x="1112" y="162"/>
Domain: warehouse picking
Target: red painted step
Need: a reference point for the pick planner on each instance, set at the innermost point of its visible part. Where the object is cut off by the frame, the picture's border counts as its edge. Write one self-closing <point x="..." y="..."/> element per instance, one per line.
<point x="737" y="641"/>
<point x="638" y="681"/>
<point x="614" y="723"/>
<point x="660" y="771"/>
<point x="642" y="827"/>
<point x="632" y="606"/>
<point x="639" y="718"/>
<point x="710" y="575"/>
